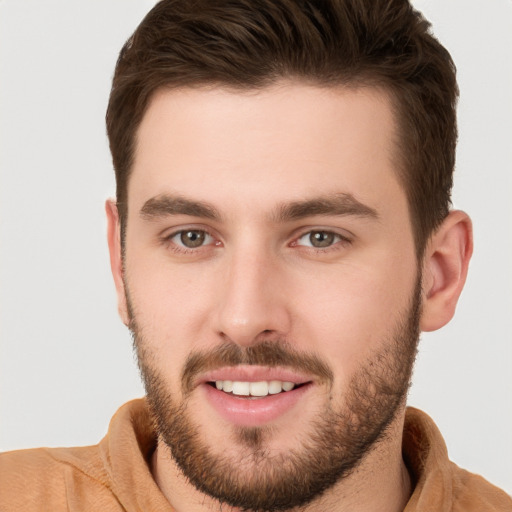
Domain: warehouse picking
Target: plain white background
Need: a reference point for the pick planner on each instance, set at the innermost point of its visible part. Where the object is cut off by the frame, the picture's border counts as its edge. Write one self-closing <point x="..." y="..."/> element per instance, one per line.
<point x="65" y="359"/>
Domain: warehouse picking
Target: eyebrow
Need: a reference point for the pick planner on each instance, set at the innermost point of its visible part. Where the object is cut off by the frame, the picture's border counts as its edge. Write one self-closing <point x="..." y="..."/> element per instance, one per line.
<point x="341" y="204"/>
<point x="165" y="205"/>
<point x="336" y="205"/>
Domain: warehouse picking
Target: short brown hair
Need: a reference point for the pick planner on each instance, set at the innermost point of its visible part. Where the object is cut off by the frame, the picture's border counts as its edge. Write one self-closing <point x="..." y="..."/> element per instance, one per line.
<point x="250" y="44"/>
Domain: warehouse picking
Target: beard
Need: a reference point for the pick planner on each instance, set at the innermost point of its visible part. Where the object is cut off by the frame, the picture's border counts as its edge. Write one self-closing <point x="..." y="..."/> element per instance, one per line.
<point x="345" y="431"/>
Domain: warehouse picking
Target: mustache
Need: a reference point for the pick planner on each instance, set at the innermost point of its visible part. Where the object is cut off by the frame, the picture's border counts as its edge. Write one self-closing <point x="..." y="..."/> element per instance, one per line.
<point x="266" y="353"/>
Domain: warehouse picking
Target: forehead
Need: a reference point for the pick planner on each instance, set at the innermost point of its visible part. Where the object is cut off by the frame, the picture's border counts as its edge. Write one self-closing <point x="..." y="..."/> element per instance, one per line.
<point x="281" y="143"/>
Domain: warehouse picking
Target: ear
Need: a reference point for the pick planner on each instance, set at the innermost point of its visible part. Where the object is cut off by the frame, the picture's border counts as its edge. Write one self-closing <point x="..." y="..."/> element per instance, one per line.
<point x="445" y="267"/>
<point x="116" y="259"/>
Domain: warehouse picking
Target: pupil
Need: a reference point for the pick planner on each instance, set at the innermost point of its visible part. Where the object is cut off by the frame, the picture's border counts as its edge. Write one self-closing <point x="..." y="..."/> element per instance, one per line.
<point x="192" y="238"/>
<point x="321" y="239"/>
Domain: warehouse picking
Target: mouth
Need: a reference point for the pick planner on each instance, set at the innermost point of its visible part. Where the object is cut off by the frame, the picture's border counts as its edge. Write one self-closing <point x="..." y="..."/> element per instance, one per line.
<point x="255" y="396"/>
<point x="259" y="389"/>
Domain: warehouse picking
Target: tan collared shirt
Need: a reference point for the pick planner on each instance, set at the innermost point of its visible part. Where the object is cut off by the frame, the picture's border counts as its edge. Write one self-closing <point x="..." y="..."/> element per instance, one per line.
<point x="114" y="475"/>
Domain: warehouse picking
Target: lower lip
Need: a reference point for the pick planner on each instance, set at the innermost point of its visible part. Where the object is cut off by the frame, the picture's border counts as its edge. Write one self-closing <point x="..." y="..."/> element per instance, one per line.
<point x="253" y="412"/>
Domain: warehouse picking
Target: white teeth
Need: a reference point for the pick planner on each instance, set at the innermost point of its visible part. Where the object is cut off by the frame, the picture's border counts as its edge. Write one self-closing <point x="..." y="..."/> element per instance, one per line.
<point x="261" y="388"/>
<point x="274" y="387"/>
<point x="241" y="388"/>
<point x="288" y="386"/>
<point x="258" y="388"/>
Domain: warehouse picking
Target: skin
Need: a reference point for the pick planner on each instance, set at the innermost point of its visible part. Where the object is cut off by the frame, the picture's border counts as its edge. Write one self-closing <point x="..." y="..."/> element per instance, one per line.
<point x="247" y="155"/>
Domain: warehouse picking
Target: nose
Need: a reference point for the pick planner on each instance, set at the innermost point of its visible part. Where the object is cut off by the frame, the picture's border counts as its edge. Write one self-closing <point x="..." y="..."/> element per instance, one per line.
<point x="252" y="302"/>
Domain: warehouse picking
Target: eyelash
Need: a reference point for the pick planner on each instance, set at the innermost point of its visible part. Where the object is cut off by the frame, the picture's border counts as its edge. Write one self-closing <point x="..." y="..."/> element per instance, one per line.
<point x="181" y="249"/>
<point x="340" y="241"/>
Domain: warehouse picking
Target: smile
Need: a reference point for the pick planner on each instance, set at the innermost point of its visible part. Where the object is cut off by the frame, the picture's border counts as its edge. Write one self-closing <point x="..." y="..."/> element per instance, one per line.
<point x="254" y="389"/>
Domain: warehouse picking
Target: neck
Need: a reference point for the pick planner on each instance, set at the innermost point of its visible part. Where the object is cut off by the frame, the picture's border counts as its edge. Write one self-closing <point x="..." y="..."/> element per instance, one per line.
<point x="381" y="482"/>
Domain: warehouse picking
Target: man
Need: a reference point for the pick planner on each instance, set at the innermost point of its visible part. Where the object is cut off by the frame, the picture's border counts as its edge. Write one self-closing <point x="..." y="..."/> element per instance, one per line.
<point x="281" y="234"/>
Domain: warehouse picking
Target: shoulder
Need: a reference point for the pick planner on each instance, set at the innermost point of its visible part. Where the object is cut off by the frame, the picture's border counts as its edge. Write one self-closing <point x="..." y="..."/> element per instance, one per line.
<point x="439" y="484"/>
<point x="472" y="492"/>
<point x="54" y="478"/>
<point x="104" y="477"/>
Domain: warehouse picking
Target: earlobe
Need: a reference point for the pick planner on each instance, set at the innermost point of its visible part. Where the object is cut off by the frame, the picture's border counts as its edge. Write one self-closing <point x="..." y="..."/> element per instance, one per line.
<point x="116" y="259"/>
<point x="445" y="267"/>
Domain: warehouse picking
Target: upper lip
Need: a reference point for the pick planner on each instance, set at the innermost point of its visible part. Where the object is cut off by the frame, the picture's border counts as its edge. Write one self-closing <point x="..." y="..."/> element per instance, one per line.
<point x="250" y="373"/>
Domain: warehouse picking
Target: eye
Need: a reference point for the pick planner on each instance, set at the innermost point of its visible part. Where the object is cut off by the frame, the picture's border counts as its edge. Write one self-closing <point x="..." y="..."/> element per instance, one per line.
<point x="191" y="238"/>
<point x="319" y="239"/>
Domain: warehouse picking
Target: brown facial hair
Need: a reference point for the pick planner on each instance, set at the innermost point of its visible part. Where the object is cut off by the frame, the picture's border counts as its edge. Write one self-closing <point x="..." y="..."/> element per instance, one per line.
<point x="332" y="447"/>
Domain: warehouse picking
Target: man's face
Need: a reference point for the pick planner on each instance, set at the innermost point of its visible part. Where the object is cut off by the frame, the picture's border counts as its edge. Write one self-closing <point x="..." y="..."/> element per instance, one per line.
<point x="269" y="247"/>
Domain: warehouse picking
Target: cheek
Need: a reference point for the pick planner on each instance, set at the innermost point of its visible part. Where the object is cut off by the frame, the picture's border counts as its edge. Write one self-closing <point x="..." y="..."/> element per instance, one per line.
<point x="350" y="314"/>
<point x="165" y="305"/>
